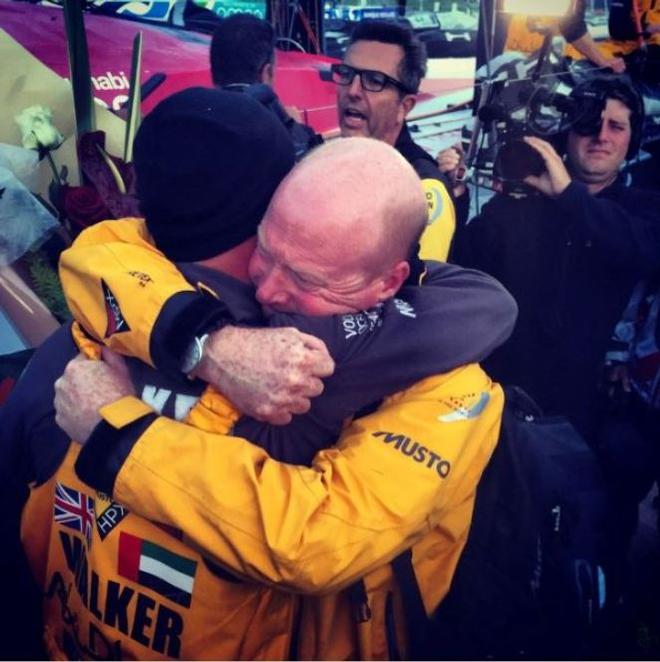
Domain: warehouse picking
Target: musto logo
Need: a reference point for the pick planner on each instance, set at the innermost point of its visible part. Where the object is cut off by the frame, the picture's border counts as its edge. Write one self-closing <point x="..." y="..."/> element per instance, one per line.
<point x="416" y="451"/>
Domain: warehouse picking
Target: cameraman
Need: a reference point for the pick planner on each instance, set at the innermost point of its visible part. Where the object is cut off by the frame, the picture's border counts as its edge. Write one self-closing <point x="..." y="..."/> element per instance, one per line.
<point x="570" y="252"/>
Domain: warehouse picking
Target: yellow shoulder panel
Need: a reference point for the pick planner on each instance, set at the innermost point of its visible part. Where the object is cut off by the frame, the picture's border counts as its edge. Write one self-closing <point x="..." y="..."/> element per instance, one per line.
<point x="435" y="242"/>
<point x="116" y="282"/>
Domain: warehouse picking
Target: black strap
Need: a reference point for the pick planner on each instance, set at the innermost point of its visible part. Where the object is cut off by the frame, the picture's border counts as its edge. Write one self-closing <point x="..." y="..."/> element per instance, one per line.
<point x="357" y="594"/>
<point x="393" y="650"/>
<point x="418" y="624"/>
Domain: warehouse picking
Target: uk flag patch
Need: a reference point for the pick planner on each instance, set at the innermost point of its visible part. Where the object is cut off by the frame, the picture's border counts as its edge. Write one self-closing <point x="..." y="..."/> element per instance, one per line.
<point x="74" y="510"/>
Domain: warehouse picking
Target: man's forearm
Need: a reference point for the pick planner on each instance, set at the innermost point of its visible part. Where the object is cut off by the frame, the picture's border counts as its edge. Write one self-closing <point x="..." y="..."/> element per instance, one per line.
<point x="588" y="47"/>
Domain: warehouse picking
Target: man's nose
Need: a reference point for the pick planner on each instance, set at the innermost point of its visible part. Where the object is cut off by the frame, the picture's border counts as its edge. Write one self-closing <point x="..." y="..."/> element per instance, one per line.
<point x="271" y="289"/>
<point x="603" y="132"/>
<point x="355" y="87"/>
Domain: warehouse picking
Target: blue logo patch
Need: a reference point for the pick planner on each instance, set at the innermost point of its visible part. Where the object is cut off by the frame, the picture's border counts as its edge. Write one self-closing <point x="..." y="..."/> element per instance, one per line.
<point x="464" y="411"/>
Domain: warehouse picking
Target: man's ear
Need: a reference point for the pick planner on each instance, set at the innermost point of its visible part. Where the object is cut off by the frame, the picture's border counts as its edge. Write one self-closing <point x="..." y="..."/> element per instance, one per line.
<point x="408" y="103"/>
<point x="405" y="106"/>
<point x="268" y="73"/>
<point x="392" y="281"/>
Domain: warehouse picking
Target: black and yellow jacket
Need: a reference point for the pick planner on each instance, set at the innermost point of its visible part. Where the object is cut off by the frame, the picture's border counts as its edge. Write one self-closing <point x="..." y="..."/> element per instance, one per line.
<point x="622" y="23"/>
<point x="402" y="476"/>
<point x="441" y="225"/>
<point x="519" y="36"/>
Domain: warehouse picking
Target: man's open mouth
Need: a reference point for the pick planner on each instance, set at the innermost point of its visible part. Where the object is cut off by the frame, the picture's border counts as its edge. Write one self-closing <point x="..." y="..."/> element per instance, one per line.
<point x="353" y="117"/>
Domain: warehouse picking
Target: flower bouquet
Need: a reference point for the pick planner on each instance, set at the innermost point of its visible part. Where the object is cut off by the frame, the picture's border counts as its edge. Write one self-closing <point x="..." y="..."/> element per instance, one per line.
<point x="74" y="175"/>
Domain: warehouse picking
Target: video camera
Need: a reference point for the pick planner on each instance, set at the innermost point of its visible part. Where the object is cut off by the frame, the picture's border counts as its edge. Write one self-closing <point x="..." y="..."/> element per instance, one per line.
<point x="523" y="107"/>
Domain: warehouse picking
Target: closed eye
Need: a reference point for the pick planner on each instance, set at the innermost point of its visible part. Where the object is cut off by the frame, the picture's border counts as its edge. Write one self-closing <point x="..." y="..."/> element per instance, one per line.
<point x="305" y="282"/>
<point x="263" y="254"/>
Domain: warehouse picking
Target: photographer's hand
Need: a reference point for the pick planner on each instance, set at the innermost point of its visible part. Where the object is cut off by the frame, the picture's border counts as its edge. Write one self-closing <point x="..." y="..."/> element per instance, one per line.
<point x="616" y="64"/>
<point x="450" y="162"/>
<point x="555" y="179"/>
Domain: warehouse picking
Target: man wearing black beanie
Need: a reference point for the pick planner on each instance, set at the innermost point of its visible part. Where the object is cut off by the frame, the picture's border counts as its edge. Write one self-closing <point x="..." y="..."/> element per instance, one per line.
<point x="208" y="161"/>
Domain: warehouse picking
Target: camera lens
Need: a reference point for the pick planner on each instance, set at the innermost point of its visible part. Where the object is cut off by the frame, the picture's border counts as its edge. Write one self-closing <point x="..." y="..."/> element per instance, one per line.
<point x="516" y="160"/>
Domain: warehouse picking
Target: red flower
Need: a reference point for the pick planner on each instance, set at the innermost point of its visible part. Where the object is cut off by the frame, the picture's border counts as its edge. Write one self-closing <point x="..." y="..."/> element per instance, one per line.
<point x="83" y="206"/>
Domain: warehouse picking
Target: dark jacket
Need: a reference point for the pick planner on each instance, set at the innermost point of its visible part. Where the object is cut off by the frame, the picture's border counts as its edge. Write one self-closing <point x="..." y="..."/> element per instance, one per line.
<point x="423" y="163"/>
<point x="304" y="137"/>
<point x="571" y="264"/>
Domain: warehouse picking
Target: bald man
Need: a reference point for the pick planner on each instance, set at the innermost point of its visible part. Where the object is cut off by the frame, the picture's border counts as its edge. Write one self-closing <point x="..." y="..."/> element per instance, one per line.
<point x="383" y="226"/>
<point x="325" y="507"/>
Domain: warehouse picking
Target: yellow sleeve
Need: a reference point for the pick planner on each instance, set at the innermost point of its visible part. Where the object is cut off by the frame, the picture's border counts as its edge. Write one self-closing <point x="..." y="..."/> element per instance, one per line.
<point x="651" y="17"/>
<point x="520" y="38"/>
<point x="116" y="283"/>
<point x="392" y="477"/>
<point x="441" y="224"/>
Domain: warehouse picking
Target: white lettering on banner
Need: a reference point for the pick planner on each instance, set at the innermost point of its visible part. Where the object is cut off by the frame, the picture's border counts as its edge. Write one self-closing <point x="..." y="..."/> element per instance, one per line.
<point x="110" y="81"/>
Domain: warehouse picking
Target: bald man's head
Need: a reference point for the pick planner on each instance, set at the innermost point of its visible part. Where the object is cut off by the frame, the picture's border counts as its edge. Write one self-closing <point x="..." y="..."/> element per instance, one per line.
<point x="362" y="187"/>
<point x="346" y="217"/>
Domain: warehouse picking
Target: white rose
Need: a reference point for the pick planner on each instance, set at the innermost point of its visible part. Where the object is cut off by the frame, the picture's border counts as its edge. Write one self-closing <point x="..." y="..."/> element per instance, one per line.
<point x="37" y="128"/>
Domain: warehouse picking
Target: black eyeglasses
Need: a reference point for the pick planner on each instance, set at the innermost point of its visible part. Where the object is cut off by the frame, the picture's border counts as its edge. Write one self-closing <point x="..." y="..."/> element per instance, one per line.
<point x="372" y="81"/>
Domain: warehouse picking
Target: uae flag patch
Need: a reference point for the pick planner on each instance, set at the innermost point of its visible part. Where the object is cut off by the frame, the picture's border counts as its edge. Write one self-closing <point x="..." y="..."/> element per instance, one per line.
<point x="155" y="567"/>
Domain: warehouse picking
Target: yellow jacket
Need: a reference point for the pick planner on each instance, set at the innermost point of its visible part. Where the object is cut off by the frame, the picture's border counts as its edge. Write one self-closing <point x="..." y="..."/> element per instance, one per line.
<point x="649" y="15"/>
<point x="118" y="587"/>
<point x="404" y="476"/>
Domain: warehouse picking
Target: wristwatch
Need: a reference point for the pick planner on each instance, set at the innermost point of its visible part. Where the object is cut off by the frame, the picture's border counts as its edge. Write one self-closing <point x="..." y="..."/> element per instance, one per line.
<point x="193" y="354"/>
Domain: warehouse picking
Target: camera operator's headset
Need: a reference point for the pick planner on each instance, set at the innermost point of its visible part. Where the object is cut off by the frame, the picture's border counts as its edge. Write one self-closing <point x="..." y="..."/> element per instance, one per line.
<point x="593" y="94"/>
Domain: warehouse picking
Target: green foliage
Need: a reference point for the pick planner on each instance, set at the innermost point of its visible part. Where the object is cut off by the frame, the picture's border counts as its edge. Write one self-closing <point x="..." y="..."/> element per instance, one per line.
<point x="81" y="82"/>
<point x="134" y="99"/>
<point x="46" y="284"/>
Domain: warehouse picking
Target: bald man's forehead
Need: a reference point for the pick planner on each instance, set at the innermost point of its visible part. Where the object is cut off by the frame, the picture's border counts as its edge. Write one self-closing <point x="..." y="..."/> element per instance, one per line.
<point x="349" y="179"/>
<point x="357" y="166"/>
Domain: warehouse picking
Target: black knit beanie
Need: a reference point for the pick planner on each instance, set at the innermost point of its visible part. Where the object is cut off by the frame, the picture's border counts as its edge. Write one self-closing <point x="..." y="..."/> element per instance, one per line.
<point x="207" y="163"/>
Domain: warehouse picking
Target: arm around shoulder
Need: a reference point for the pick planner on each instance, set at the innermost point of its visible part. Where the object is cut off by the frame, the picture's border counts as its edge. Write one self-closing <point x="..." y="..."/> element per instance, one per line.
<point x="392" y="476"/>
<point x="128" y="295"/>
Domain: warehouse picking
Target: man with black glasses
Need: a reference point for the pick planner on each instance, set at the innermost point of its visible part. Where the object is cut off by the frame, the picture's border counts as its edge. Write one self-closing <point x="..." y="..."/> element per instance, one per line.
<point x="377" y="84"/>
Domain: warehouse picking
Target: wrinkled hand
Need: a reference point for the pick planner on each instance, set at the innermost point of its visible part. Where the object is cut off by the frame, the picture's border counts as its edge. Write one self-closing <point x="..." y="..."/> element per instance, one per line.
<point x="450" y="162"/>
<point x="84" y="388"/>
<point x="269" y="374"/>
<point x="555" y="179"/>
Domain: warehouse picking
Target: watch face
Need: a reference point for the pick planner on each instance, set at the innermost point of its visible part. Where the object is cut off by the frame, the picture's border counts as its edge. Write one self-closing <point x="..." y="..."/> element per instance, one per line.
<point x="192" y="356"/>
